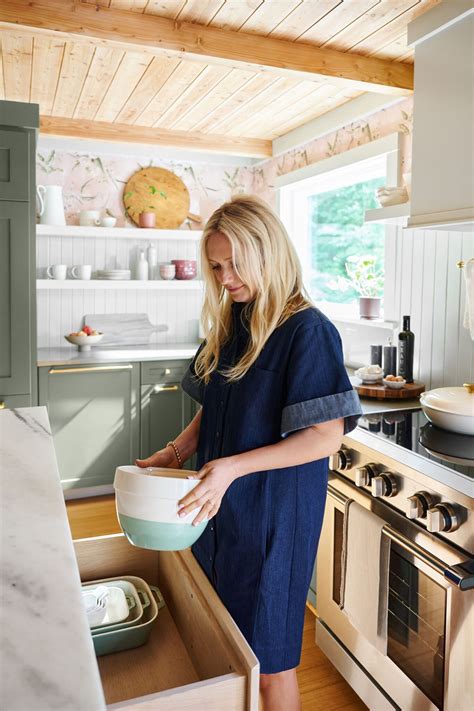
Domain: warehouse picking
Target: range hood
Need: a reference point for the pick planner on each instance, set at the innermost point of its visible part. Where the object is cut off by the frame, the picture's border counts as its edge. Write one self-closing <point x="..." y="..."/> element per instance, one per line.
<point x="442" y="180"/>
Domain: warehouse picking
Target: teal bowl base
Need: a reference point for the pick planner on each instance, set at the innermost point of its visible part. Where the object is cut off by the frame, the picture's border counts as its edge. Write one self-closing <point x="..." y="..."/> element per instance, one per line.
<point x="160" y="536"/>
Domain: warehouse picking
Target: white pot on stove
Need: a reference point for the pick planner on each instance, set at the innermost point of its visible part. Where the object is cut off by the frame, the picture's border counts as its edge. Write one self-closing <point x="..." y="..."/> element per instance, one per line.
<point x="450" y="408"/>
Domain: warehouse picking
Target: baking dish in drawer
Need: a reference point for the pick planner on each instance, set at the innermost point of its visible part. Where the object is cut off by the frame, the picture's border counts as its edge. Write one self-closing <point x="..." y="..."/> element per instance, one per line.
<point x="196" y="657"/>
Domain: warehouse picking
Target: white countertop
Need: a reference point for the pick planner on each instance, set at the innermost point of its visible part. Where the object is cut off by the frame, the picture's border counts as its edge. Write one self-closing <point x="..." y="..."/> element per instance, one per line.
<point x="70" y="355"/>
<point x="47" y="657"/>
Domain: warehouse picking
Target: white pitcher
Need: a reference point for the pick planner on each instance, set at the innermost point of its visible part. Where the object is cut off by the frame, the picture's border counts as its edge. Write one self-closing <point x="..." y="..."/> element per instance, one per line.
<point x="51" y="204"/>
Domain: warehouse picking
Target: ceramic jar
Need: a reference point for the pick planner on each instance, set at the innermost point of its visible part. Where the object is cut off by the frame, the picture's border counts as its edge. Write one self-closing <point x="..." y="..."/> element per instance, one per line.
<point x="185" y="268"/>
<point x="167" y="271"/>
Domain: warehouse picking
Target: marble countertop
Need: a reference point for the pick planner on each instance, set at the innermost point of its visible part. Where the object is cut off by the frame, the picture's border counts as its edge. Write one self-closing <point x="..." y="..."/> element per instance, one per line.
<point x="47" y="656"/>
<point x="70" y="355"/>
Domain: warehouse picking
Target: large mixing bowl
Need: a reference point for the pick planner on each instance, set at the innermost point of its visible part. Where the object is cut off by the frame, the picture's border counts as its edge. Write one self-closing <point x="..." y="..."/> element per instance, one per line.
<point x="147" y="506"/>
<point x="450" y="408"/>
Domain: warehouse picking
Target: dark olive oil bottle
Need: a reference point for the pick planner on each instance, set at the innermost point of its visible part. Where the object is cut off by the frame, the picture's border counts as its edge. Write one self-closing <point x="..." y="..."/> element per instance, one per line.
<point x="406" y="349"/>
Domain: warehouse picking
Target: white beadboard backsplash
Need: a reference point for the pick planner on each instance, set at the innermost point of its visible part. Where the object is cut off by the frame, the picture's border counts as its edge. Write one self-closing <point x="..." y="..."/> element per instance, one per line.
<point x="61" y="311"/>
<point x="428" y="286"/>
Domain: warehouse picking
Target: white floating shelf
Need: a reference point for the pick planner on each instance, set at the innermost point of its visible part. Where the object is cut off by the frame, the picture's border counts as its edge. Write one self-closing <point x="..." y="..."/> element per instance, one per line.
<point x="118" y="232"/>
<point x="180" y="284"/>
<point x="394" y="214"/>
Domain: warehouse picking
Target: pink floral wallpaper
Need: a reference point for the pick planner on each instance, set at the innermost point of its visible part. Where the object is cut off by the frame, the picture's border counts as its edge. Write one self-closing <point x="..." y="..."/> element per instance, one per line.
<point x="395" y="118"/>
<point x="96" y="182"/>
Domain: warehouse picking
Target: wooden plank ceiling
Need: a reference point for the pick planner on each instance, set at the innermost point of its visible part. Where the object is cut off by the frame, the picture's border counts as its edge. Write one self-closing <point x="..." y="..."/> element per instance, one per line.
<point x="217" y="75"/>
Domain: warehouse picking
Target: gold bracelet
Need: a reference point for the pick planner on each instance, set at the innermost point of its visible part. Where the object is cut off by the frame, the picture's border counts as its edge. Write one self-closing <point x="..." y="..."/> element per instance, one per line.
<point x="177" y="453"/>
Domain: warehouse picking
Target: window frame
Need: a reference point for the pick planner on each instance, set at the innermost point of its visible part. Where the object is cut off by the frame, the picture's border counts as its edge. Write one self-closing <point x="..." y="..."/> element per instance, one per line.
<point x="294" y="187"/>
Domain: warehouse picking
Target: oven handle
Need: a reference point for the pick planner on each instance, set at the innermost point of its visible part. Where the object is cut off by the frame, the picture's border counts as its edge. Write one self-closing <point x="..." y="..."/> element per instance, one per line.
<point x="456" y="574"/>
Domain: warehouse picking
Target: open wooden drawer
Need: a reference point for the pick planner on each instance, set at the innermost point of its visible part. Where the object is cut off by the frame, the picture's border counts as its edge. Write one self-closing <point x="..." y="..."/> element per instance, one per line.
<point x="196" y="657"/>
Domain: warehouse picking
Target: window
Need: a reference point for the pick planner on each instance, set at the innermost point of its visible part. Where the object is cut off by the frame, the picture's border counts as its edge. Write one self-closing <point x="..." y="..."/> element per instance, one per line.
<point x="323" y="207"/>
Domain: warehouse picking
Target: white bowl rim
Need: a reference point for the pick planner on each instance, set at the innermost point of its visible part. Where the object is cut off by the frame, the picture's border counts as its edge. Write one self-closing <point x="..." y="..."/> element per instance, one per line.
<point x="439" y="409"/>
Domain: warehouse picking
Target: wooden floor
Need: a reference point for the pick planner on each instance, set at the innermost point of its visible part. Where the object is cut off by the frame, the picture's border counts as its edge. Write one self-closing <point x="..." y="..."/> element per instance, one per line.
<point x="321" y="686"/>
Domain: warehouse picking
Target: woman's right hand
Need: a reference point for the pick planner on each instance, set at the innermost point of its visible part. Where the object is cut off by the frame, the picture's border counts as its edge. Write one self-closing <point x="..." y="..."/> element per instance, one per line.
<point x="162" y="458"/>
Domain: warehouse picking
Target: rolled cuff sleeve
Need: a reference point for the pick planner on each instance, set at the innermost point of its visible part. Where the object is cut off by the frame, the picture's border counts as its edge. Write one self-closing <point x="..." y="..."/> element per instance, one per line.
<point x="322" y="409"/>
<point x="193" y="386"/>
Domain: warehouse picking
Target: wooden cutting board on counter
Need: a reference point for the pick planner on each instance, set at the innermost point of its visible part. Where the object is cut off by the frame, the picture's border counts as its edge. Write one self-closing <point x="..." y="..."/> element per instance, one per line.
<point x="123" y="329"/>
<point x="383" y="392"/>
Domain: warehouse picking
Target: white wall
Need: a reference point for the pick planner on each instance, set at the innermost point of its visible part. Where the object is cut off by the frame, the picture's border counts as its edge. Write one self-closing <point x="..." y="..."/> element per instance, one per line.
<point x="61" y="311"/>
<point x="430" y="288"/>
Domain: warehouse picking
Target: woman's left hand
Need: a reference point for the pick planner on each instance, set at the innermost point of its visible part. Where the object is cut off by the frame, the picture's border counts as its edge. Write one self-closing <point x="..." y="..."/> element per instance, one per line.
<point x="216" y="477"/>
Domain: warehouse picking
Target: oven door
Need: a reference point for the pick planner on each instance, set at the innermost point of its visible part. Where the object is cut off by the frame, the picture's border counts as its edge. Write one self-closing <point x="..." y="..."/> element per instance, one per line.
<point x="430" y="620"/>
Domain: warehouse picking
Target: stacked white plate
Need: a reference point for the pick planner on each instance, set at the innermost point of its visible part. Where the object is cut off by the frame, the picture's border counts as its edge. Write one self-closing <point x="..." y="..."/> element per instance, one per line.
<point x="113" y="274"/>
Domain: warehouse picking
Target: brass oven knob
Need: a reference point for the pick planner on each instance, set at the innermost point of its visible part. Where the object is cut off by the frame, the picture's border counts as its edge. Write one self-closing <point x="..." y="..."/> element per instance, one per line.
<point x="384" y="485"/>
<point x="363" y="475"/>
<point x="340" y="460"/>
<point x="442" y="517"/>
<point x="418" y="504"/>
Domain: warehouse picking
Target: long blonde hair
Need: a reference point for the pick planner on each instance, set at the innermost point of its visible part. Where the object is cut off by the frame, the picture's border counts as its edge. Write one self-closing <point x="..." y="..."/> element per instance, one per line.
<point x="266" y="262"/>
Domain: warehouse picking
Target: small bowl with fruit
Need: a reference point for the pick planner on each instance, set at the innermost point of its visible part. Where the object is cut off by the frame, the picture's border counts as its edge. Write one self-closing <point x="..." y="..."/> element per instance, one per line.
<point x="396" y="382"/>
<point x="85" y="338"/>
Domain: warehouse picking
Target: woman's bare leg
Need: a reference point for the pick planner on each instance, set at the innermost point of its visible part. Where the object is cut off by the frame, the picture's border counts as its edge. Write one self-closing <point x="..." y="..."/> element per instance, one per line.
<point x="279" y="692"/>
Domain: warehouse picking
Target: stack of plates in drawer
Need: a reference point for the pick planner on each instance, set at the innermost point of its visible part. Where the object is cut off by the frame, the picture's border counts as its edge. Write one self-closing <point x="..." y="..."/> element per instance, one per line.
<point x="130" y="612"/>
<point x="113" y="274"/>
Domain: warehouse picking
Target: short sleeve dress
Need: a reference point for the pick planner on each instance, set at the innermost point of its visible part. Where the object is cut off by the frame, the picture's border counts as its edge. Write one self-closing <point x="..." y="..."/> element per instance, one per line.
<point x="260" y="548"/>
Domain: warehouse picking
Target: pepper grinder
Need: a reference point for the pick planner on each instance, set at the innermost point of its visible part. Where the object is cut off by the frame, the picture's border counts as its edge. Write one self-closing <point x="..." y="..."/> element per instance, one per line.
<point x="389" y="359"/>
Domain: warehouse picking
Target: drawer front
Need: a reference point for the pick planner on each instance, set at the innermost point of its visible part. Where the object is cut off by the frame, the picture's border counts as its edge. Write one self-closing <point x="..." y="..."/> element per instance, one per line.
<point x="163" y="371"/>
<point x="195" y="628"/>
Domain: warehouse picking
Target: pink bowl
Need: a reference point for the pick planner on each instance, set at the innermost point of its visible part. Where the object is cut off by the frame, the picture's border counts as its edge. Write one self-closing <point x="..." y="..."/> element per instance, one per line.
<point x="185" y="268"/>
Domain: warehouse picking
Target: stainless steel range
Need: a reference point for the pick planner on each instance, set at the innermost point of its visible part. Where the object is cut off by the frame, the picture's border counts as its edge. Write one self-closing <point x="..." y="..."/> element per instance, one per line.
<point x="420" y="481"/>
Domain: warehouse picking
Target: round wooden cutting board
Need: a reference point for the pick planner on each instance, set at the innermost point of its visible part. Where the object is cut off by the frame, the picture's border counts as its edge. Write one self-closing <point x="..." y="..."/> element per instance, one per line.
<point x="383" y="392"/>
<point x="160" y="191"/>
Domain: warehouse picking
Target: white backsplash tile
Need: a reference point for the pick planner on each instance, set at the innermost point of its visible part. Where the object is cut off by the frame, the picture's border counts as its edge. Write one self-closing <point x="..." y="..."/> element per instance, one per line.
<point x="61" y="311"/>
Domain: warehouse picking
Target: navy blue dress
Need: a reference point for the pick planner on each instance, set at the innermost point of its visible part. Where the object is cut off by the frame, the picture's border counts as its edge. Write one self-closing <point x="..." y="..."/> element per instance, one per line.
<point x="259" y="550"/>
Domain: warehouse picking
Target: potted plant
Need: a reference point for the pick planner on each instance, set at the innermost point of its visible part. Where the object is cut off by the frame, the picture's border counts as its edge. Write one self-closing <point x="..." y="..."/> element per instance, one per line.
<point x="367" y="280"/>
<point x="147" y="216"/>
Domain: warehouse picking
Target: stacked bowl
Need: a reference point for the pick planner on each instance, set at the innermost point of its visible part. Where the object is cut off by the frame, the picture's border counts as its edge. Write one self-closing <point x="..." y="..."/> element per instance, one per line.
<point x="147" y="507"/>
<point x="185" y="268"/>
<point x="391" y="196"/>
<point x="125" y="615"/>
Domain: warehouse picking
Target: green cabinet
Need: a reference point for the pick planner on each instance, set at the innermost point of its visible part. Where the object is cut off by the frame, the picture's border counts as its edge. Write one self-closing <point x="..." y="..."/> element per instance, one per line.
<point x="94" y="416"/>
<point x="18" y="129"/>
<point x="15" y="299"/>
<point x="15" y="148"/>
<point x="165" y="408"/>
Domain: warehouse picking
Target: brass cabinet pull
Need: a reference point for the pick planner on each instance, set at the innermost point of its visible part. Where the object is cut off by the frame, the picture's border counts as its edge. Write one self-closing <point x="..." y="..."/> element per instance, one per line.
<point x="165" y="388"/>
<point x="90" y="369"/>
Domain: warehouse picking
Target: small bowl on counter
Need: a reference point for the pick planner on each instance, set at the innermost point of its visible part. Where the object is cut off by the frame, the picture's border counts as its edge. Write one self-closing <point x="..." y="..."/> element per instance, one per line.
<point x="394" y="384"/>
<point x="147" y="507"/>
<point x="451" y="408"/>
<point x="84" y="342"/>
<point x="369" y="374"/>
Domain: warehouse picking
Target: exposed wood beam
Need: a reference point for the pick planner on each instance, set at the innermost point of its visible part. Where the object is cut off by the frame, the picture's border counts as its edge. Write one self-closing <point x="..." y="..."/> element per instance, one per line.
<point x="122" y="132"/>
<point x="155" y="34"/>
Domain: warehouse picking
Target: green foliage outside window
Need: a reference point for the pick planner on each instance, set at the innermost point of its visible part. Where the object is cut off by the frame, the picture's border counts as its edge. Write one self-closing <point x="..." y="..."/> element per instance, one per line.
<point x="338" y="232"/>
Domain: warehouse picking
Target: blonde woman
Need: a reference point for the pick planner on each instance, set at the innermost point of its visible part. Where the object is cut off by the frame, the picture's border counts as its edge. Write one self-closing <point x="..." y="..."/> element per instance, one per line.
<point x="276" y="401"/>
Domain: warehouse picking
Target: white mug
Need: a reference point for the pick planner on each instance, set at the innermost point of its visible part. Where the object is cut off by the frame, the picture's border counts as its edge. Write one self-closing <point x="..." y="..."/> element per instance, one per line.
<point x="57" y="271"/>
<point x="89" y="218"/>
<point x="81" y="271"/>
<point x="108" y="221"/>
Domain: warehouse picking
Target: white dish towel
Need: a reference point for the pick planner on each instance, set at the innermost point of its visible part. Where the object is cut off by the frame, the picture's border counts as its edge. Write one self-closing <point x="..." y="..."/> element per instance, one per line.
<point x="469" y="308"/>
<point x="365" y="564"/>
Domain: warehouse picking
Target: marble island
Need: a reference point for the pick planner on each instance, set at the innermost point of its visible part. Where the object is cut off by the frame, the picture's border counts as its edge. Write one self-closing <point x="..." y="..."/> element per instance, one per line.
<point x="47" y="657"/>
